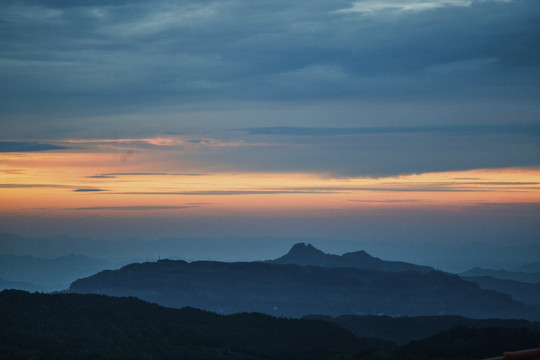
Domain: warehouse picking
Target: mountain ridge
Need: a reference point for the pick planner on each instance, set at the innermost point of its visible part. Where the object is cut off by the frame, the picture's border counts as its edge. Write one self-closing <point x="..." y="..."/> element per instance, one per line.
<point x="294" y="291"/>
<point x="521" y="276"/>
<point x="307" y="255"/>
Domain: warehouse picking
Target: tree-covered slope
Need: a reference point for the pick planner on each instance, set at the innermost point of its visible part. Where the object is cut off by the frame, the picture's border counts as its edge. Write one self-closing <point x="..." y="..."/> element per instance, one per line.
<point x="74" y="326"/>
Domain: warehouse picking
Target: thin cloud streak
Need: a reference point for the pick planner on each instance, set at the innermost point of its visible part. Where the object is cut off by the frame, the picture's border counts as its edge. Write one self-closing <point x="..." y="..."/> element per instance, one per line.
<point x="371" y="7"/>
<point x="89" y="190"/>
<point x="405" y="201"/>
<point x="18" y="146"/>
<point x="226" y="192"/>
<point x="134" y="208"/>
<point x="463" y="130"/>
<point x="37" y="186"/>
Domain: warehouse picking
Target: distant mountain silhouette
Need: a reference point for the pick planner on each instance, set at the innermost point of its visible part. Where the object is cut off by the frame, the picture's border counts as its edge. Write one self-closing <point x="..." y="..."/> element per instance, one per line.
<point x="295" y="291"/>
<point x="307" y="255"/>
<point x="528" y="277"/>
<point x="521" y="291"/>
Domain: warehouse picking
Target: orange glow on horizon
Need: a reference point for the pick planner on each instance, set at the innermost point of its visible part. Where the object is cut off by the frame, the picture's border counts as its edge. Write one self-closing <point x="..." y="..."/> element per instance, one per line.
<point x="105" y="183"/>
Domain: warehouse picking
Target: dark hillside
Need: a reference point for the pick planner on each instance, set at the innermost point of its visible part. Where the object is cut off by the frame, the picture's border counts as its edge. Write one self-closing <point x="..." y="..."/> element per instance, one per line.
<point x="526" y="293"/>
<point x="465" y="343"/>
<point x="73" y="326"/>
<point x="402" y="330"/>
<point x="295" y="291"/>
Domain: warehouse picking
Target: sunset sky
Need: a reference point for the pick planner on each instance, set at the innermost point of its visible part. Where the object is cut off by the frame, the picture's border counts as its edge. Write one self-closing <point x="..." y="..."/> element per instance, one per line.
<point x="403" y="121"/>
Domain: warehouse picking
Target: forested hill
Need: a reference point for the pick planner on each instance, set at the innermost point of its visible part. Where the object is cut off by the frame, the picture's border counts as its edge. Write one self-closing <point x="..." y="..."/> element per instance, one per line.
<point x="295" y="291"/>
<point x="307" y="255"/>
<point x="73" y="326"/>
<point x="84" y="327"/>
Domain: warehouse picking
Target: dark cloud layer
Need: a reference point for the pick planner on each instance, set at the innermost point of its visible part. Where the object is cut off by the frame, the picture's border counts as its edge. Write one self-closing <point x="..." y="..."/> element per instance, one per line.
<point x="135" y="53"/>
<point x="528" y="129"/>
<point x="37" y="186"/>
<point x="89" y="190"/>
<point x="405" y="79"/>
<point x="18" y="146"/>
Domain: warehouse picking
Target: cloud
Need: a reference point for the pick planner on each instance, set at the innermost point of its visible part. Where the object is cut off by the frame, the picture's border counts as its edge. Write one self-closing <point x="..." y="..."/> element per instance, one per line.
<point x="115" y="175"/>
<point x="527" y="129"/>
<point x="134" y="208"/>
<point x="386" y="201"/>
<point x="322" y="190"/>
<point x="229" y="192"/>
<point x="23" y="186"/>
<point x="197" y="53"/>
<point x="151" y="174"/>
<point x="17" y="146"/>
<point x="101" y="177"/>
<point x="89" y="190"/>
<point x="373" y="7"/>
<point x="529" y="209"/>
<point x="124" y="73"/>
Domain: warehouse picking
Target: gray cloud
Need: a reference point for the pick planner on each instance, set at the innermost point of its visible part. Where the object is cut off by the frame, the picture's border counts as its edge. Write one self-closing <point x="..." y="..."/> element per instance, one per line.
<point x="22" y="186"/>
<point x="89" y="190"/>
<point x="241" y="50"/>
<point x="382" y="154"/>
<point x="406" y="201"/>
<point x="228" y="192"/>
<point x="411" y="80"/>
<point x="115" y="175"/>
<point x="528" y="129"/>
<point x="18" y="146"/>
<point x="151" y="174"/>
<point x="101" y="177"/>
<point x="321" y="190"/>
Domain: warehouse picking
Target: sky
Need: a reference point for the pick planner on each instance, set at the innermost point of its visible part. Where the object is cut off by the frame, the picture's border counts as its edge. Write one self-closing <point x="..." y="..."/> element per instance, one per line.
<point x="345" y="122"/>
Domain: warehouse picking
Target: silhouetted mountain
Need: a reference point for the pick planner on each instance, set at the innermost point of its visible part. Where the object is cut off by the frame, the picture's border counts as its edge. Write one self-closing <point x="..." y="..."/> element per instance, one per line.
<point x="307" y="255"/>
<point x="402" y="330"/>
<point x="72" y="326"/>
<point x="527" y="277"/>
<point x="293" y="290"/>
<point x="526" y="293"/>
<point x="49" y="274"/>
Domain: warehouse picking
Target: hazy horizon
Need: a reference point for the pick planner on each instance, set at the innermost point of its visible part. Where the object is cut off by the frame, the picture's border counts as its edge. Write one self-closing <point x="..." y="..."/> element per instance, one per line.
<point x="454" y="258"/>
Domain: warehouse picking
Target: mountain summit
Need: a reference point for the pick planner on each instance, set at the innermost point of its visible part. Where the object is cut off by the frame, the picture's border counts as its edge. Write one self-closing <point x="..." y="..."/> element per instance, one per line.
<point x="307" y="255"/>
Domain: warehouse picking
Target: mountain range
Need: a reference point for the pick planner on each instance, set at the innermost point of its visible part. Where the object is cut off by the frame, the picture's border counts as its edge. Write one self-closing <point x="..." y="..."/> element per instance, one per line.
<point x="524" y="292"/>
<point x="532" y="277"/>
<point x="299" y="289"/>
